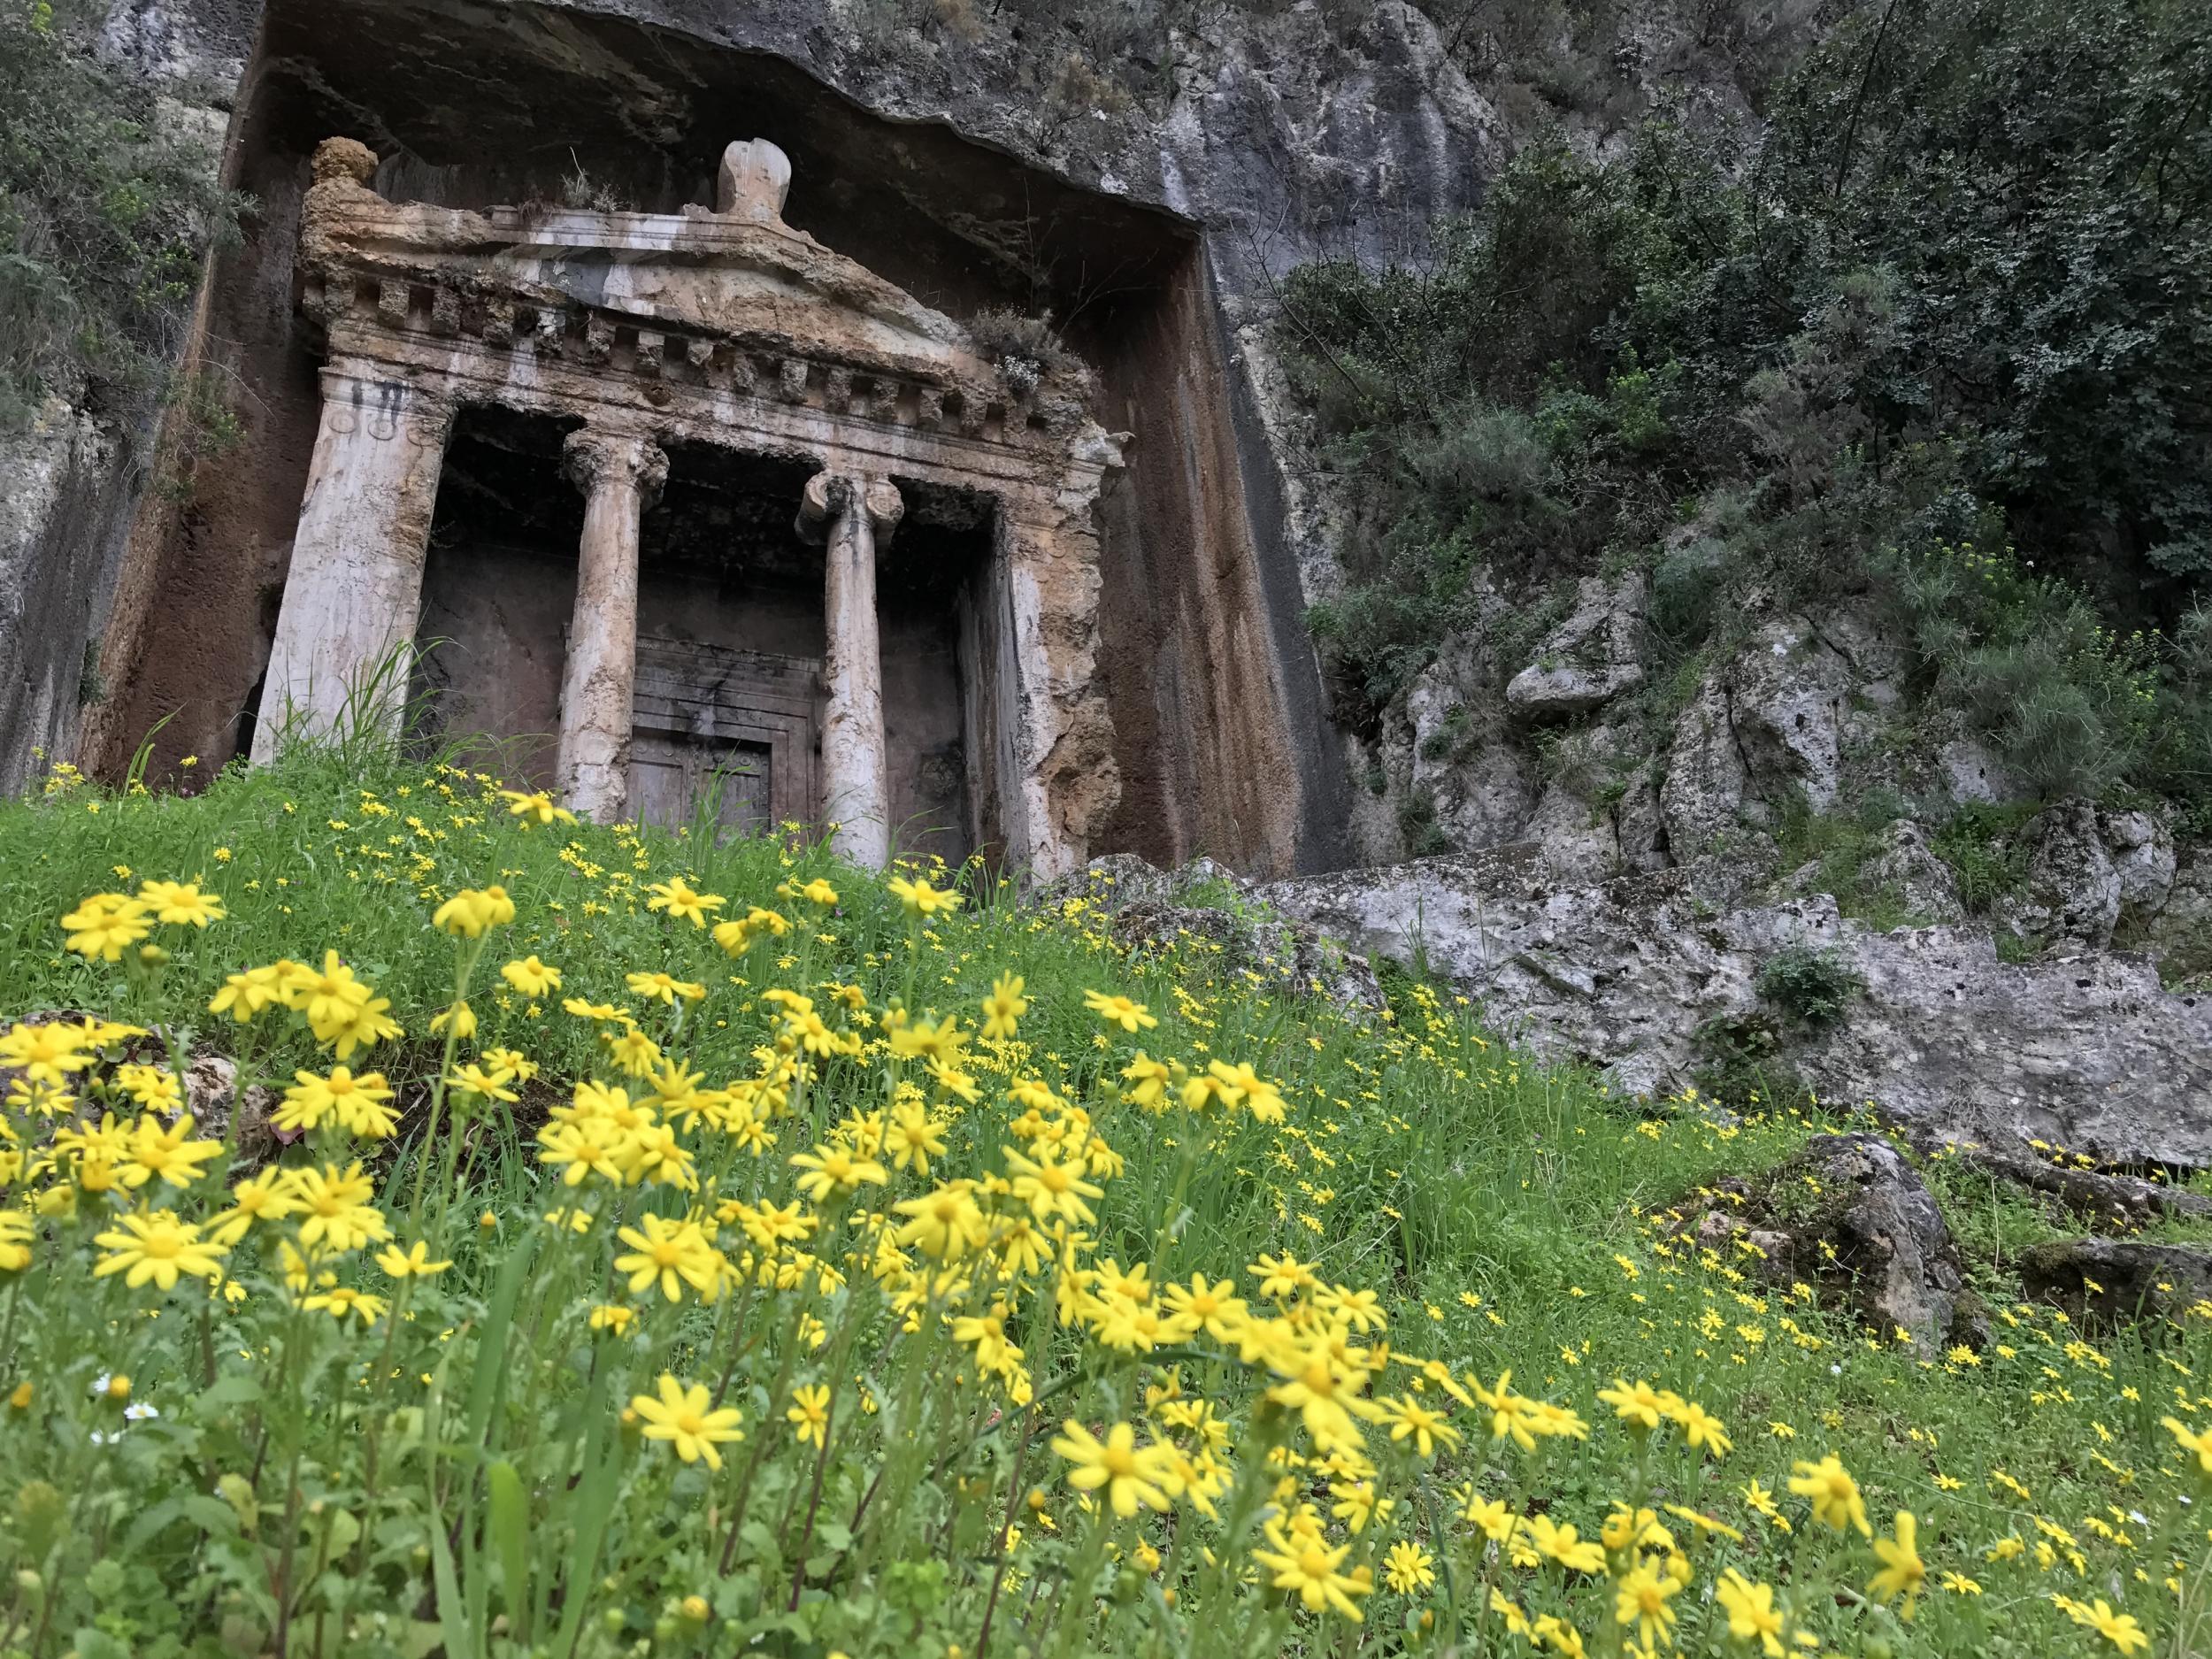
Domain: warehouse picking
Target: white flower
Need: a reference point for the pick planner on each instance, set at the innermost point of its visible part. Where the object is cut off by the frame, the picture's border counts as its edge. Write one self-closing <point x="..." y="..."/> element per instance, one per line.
<point x="139" y="1412"/>
<point x="100" y="1383"/>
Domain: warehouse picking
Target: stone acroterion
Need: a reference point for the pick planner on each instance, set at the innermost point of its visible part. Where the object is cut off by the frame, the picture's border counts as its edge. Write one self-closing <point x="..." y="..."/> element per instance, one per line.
<point x="752" y="182"/>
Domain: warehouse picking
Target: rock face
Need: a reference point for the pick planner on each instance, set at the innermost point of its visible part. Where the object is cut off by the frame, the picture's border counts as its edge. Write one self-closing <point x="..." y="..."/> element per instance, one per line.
<point x="1908" y="870"/>
<point x="2106" y="1282"/>
<point x="2121" y="1202"/>
<point x="1887" y="1233"/>
<point x="2089" y="1052"/>
<point x="1589" y="659"/>
<point x="1849" y="1213"/>
<point x="1774" y="722"/>
<point x="60" y="501"/>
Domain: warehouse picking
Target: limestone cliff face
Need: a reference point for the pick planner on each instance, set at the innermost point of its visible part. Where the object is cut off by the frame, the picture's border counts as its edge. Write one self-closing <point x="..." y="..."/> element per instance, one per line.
<point x="969" y="152"/>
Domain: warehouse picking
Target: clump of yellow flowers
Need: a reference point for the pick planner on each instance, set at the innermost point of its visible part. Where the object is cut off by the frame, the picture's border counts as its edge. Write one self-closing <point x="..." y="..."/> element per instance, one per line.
<point x="788" y="1288"/>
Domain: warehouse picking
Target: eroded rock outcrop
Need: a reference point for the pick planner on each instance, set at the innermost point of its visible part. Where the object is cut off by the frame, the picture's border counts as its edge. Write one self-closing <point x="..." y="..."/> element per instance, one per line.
<point x="1205" y="908"/>
<point x="2088" y="1052"/>
<point x="2102" y="1283"/>
<point x="1589" y="659"/>
<point x="1850" y="1213"/>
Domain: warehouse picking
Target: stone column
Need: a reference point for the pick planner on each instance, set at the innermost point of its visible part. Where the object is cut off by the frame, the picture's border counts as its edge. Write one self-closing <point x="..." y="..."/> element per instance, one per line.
<point x="354" y="591"/>
<point x="853" y="520"/>
<point x="621" y="474"/>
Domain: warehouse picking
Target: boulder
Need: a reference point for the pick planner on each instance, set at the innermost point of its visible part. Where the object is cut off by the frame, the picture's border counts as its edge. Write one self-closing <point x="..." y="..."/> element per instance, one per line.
<point x="1908" y="870"/>
<point x="1849" y="1213"/>
<point x="1887" y="1233"/>
<point x="1589" y="659"/>
<point x="2087" y="1052"/>
<point x="2073" y="888"/>
<point x="2104" y="1283"/>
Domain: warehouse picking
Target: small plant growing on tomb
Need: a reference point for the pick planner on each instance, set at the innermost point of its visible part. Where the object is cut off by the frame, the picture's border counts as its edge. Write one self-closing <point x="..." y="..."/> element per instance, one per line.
<point x="584" y="193"/>
<point x="1811" y="987"/>
<point x="1024" y="348"/>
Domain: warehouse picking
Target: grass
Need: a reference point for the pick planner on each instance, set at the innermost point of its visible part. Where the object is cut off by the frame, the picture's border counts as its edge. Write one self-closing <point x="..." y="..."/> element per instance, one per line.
<point x="470" y="1463"/>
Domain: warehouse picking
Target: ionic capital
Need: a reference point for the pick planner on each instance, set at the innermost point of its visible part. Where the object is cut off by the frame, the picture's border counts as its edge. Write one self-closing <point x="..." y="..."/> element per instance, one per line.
<point x="828" y="495"/>
<point x="886" y="507"/>
<point x="596" y="460"/>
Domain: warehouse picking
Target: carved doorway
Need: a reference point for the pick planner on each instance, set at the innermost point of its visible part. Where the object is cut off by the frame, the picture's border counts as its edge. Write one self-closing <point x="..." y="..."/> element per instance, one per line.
<point x="678" y="779"/>
<point x="726" y="733"/>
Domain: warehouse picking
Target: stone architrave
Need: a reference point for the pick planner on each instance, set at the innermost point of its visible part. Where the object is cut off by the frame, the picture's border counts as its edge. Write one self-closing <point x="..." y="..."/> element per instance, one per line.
<point x="621" y="475"/>
<point x="354" y="591"/>
<point x="853" y="521"/>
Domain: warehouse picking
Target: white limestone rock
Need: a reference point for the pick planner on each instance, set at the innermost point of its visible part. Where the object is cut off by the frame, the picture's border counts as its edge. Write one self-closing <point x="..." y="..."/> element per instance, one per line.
<point x="1781" y="718"/>
<point x="2086" y="1051"/>
<point x="1589" y="659"/>
<point x="1483" y="785"/>
<point x="2141" y="847"/>
<point x="2179" y="937"/>
<point x="2073" y="888"/>
<point x="1908" y="870"/>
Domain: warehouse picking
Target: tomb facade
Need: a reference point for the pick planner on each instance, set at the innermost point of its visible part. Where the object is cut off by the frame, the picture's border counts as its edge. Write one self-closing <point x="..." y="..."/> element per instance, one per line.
<point x="835" y="565"/>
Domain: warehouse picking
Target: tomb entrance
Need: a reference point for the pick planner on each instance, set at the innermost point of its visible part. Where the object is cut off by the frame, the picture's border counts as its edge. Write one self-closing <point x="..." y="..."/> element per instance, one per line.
<point x="708" y="523"/>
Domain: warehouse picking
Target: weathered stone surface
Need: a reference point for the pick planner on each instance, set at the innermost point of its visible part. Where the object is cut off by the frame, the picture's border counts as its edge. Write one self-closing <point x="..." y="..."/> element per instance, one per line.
<point x="2087" y="1052"/>
<point x="620" y="474"/>
<point x="1887" y="1232"/>
<point x="1619" y="974"/>
<point x="1482" y="785"/>
<point x="2102" y="1283"/>
<point x="223" y="1113"/>
<point x="211" y="1096"/>
<point x="2180" y="935"/>
<point x="1589" y="659"/>
<point x="2073" y="888"/>
<point x="57" y="497"/>
<point x="1909" y="873"/>
<point x="2141" y="848"/>
<point x="355" y="589"/>
<point x="1850" y="1214"/>
<point x="2115" y="1201"/>
<point x="1771" y="722"/>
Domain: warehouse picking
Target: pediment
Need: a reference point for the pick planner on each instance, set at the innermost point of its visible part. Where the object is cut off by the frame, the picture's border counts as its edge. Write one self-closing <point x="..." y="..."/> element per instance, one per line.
<point x="737" y="287"/>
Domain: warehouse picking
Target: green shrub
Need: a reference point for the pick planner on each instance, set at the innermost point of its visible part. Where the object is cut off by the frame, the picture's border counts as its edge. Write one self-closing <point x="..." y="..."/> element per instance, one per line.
<point x="105" y="213"/>
<point x="1977" y="841"/>
<point x="1810" y="986"/>
<point x="1839" y="335"/>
